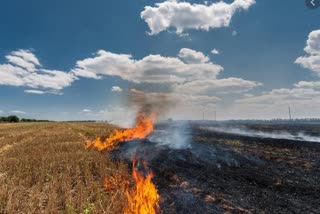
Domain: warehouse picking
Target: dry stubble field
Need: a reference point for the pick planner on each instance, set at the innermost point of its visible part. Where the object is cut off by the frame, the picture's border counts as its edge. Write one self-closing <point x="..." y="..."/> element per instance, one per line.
<point x="45" y="168"/>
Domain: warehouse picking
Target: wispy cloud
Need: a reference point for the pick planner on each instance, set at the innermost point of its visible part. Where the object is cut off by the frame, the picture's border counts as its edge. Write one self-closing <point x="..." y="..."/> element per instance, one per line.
<point x="42" y="92"/>
<point x="86" y="111"/>
<point x="17" y="112"/>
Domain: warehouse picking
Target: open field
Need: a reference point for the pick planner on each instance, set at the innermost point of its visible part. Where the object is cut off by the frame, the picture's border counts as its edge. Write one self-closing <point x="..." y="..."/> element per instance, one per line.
<point x="45" y="168"/>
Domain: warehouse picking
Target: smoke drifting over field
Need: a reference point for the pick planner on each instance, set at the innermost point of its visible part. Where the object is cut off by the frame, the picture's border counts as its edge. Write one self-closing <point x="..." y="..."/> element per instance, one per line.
<point x="263" y="134"/>
<point x="151" y="103"/>
<point x="175" y="136"/>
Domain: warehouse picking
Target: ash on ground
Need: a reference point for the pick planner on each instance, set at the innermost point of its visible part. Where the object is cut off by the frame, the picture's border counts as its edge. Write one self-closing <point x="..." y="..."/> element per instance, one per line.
<point x="215" y="172"/>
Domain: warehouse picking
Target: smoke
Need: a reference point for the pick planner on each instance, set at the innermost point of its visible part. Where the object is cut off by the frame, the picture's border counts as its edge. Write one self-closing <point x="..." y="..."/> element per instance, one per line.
<point x="173" y="135"/>
<point x="150" y="104"/>
<point x="275" y="134"/>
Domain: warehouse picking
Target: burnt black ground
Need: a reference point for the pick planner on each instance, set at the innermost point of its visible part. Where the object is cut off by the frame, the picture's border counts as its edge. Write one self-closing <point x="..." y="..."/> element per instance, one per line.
<point x="221" y="173"/>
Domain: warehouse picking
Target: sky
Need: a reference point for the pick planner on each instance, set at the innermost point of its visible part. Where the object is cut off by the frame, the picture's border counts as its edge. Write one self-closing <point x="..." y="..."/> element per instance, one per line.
<point x="79" y="59"/>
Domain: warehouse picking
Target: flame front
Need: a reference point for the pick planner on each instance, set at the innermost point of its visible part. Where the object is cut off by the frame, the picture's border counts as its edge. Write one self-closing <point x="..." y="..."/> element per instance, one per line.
<point x="144" y="198"/>
<point x="144" y="126"/>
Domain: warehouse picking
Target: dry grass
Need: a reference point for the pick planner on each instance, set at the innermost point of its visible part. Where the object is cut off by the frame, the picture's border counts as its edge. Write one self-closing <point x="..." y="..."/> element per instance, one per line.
<point x="44" y="168"/>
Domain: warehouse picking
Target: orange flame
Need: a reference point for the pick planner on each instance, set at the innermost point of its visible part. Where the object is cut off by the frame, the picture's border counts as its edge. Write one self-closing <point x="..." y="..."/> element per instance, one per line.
<point x="144" y="198"/>
<point x="144" y="126"/>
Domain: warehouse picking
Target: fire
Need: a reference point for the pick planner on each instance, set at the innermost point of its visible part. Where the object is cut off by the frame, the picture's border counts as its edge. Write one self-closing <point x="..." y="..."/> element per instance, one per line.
<point x="144" y="126"/>
<point x="144" y="198"/>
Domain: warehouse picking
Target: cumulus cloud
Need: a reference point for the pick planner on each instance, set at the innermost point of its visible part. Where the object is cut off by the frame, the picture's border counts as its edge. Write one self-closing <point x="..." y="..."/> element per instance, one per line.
<point x="116" y="89"/>
<point x="312" y="60"/>
<point x="189" y="65"/>
<point x="192" y="57"/>
<point x="24" y="69"/>
<point x="217" y="86"/>
<point x="191" y="76"/>
<point x="183" y="15"/>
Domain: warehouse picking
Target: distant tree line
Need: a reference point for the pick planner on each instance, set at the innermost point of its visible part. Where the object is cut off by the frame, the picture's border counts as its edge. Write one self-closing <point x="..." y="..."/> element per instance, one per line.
<point x="15" y="119"/>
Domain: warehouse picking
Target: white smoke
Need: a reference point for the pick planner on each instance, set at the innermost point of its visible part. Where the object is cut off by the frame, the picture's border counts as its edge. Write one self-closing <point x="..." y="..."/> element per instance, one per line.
<point x="275" y="134"/>
<point x="175" y="136"/>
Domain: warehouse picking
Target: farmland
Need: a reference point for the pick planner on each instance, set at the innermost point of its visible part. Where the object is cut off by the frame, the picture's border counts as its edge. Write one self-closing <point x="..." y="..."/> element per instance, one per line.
<point x="45" y="168"/>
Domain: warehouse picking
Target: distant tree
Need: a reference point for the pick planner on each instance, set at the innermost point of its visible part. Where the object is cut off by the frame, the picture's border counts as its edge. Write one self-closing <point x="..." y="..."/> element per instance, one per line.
<point x="13" y="119"/>
<point x="3" y="119"/>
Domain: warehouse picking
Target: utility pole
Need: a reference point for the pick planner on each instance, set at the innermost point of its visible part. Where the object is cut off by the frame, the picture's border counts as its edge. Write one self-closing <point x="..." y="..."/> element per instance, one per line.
<point x="290" y="118"/>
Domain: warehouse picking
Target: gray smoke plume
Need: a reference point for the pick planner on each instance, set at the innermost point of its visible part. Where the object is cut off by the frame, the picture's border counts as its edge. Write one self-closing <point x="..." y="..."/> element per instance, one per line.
<point x="151" y="103"/>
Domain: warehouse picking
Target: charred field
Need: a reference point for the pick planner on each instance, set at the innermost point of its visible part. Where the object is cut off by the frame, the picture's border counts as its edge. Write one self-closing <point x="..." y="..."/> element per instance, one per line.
<point x="45" y="168"/>
<point x="216" y="172"/>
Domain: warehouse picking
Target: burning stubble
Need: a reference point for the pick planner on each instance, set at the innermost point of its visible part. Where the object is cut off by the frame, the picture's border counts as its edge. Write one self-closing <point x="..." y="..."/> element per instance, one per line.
<point x="143" y="197"/>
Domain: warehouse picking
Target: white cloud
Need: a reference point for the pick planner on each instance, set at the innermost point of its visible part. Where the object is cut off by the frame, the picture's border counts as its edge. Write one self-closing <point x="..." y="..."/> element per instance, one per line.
<point x="24" y="69"/>
<point x="23" y="58"/>
<point x="86" y="111"/>
<point x="214" y="51"/>
<point x="51" y="79"/>
<point x="32" y="91"/>
<point x="217" y="86"/>
<point x="27" y="55"/>
<point x="312" y="60"/>
<point x="18" y="61"/>
<point x="183" y="15"/>
<point x="150" y="69"/>
<point x="12" y="75"/>
<point x="192" y="57"/>
<point x="116" y="89"/>
<point x="305" y="84"/>
<point x="17" y="112"/>
<point x="313" y="43"/>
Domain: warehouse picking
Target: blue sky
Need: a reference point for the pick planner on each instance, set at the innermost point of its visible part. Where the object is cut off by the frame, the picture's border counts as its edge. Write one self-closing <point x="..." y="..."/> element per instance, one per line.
<point x="257" y="49"/>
